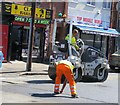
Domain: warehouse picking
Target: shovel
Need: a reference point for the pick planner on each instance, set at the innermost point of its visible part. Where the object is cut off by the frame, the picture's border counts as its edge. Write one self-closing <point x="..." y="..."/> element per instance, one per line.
<point x="64" y="84"/>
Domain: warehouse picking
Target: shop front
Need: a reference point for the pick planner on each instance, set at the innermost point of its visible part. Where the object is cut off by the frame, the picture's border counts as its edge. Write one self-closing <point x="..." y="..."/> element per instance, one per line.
<point x="19" y="27"/>
<point x="4" y="39"/>
<point x="20" y="37"/>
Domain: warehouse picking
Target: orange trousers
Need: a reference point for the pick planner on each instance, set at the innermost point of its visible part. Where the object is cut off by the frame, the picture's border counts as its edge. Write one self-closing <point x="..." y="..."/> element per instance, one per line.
<point x="64" y="69"/>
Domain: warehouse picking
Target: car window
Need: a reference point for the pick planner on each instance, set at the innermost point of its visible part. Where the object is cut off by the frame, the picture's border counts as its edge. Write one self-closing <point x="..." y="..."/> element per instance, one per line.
<point x="95" y="54"/>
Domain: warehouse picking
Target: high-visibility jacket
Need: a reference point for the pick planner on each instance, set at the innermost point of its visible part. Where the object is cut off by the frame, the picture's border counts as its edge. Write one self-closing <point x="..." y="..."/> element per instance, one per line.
<point x="73" y="41"/>
<point x="67" y="63"/>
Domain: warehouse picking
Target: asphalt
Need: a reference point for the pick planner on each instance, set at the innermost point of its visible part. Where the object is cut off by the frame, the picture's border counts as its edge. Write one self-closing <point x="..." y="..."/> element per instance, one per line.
<point x="20" y="67"/>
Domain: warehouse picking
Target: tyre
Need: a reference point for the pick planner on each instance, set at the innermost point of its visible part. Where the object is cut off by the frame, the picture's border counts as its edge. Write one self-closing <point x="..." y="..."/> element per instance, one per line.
<point x="77" y="74"/>
<point x="101" y="74"/>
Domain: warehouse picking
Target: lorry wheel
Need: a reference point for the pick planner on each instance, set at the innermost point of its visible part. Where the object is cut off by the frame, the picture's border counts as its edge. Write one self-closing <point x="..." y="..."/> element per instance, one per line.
<point x="101" y="74"/>
<point x="77" y="74"/>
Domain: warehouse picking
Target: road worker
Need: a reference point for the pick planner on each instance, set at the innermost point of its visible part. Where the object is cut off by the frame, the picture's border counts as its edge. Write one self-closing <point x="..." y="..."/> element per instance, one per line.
<point x="65" y="67"/>
<point x="73" y="39"/>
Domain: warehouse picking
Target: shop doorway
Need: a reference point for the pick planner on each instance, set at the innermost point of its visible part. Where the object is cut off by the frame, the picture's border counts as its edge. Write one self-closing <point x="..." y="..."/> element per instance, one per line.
<point x="16" y="42"/>
<point x="20" y="40"/>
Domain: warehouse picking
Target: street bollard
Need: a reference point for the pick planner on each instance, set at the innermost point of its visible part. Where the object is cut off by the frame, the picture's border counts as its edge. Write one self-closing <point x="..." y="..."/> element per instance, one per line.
<point x="1" y="59"/>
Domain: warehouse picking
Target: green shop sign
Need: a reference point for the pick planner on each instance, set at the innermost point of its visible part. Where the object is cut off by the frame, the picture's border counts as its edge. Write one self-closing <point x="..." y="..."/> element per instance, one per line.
<point x="26" y="19"/>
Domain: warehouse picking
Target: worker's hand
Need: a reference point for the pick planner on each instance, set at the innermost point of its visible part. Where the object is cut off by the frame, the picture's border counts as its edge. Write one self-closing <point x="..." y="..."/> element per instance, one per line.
<point x="77" y="48"/>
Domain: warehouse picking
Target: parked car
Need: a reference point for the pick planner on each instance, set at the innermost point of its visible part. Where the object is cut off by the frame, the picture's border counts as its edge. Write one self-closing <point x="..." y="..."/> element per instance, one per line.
<point x="114" y="60"/>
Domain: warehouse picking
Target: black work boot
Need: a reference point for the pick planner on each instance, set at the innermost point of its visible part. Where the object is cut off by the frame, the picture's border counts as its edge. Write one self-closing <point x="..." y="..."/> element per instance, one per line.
<point x="75" y="96"/>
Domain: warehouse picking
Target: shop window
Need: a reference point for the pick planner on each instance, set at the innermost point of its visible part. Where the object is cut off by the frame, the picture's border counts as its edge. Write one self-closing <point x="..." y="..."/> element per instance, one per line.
<point x="36" y="39"/>
<point x="25" y="38"/>
<point x="88" y="39"/>
<point x="97" y="42"/>
<point x="104" y="44"/>
<point x="91" y="2"/>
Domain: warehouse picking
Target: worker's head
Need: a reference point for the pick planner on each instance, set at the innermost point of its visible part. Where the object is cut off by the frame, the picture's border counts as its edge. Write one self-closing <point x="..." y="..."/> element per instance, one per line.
<point x="75" y="32"/>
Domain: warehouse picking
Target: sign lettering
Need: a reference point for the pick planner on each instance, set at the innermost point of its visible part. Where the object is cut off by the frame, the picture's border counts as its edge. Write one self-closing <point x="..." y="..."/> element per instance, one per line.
<point x="40" y="13"/>
<point x="88" y="20"/>
<point x="48" y="14"/>
<point x="26" y="11"/>
<point x="21" y="10"/>
<point x="6" y="8"/>
<point x="79" y="18"/>
<point x="23" y="19"/>
<point x="98" y="21"/>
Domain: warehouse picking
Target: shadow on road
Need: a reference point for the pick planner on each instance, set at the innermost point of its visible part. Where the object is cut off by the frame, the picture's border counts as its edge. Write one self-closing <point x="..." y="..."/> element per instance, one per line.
<point x="48" y="95"/>
<point x="5" y="72"/>
<point x="114" y="71"/>
<point x="40" y="81"/>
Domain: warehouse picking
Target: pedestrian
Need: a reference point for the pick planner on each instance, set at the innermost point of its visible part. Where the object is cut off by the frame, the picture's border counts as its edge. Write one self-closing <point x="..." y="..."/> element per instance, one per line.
<point x="73" y="39"/>
<point x="65" y="67"/>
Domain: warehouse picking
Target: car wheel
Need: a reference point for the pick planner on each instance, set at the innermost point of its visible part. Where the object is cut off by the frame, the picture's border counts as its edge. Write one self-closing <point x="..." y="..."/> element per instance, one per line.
<point x="101" y="74"/>
<point x="112" y="67"/>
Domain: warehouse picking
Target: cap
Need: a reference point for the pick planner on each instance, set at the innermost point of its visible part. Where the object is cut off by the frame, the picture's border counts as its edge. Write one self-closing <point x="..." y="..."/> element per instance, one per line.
<point x="75" y="31"/>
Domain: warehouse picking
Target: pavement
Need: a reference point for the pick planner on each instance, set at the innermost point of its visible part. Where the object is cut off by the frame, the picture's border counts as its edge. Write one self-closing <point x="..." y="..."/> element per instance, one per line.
<point x="19" y="67"/>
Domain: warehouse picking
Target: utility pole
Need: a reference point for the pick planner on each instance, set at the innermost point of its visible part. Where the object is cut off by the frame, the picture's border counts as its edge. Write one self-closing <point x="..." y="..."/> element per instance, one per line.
<point x="52" y="7"/>
<point x="113" y="24"/>
<point x="31" y="37"/>
<point x="65" y="13"/>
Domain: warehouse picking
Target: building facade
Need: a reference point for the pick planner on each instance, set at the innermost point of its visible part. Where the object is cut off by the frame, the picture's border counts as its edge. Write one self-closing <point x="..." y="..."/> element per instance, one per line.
<point x="93" y="19"/>
<point x="16" y="18"/>
<point x="17" y="28"/>
<point x="88" y="14"/>
<point x="115" y="23"/>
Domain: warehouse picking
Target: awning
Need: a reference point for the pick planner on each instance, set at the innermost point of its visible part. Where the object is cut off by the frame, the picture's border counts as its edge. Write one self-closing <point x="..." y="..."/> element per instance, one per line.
<point x="98" y="30"/>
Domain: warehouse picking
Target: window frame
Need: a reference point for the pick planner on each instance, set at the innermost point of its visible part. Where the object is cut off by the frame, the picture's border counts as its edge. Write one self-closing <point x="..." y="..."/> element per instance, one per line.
<point x="91" y="2"/>
<point x="106" y="4"/>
